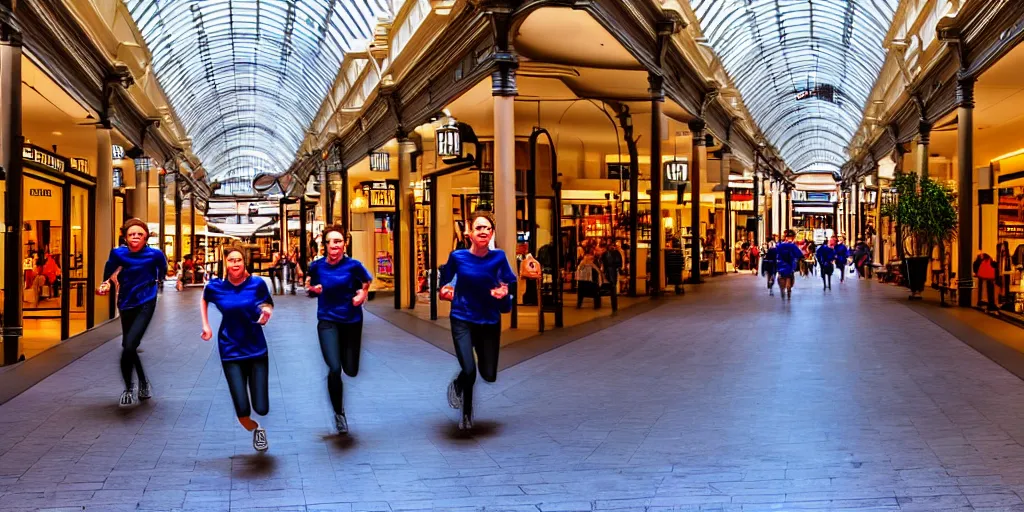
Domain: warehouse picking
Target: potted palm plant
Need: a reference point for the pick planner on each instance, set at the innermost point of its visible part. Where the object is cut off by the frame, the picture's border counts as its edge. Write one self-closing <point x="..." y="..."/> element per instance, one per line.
<point x="925" y="217"/>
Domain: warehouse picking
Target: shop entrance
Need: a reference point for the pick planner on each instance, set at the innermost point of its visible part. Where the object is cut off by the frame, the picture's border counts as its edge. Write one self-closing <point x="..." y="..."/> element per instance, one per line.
<point x="55" y="253"/>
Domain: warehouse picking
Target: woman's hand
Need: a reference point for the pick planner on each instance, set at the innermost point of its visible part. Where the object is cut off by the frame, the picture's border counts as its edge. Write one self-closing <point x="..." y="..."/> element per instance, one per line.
<point x="360" y="298"/>
<point x="103" y="288"/>
<point x="315" y="290"/>
<point x="207" y="333"/>
<point x="265" y="314"/>
<point x="447" y="293"/>
<point x="500" y="292"/>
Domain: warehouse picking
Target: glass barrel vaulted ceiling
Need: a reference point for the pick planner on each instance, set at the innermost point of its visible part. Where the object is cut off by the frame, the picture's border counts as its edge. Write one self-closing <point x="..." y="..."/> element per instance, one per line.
<point x="805" y="68"/>
<point x="247" y="77"/>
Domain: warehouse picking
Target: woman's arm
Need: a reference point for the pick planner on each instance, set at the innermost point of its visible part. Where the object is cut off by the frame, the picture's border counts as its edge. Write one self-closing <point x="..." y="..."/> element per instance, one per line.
<point x="203" y="309"/>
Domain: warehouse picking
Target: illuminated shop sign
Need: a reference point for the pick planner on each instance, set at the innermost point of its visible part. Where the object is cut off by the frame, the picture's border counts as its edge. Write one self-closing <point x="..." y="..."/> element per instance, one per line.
<point x="118" y="178"/>
<point x="116" y="152"/>
<point x="380" y="162"/>
<point x="449" y="141"/>
<point x="42" y="157"/>
<point x="675" y="173"/>
<point x="80" y="165"/>
<point x="380" y="194"/>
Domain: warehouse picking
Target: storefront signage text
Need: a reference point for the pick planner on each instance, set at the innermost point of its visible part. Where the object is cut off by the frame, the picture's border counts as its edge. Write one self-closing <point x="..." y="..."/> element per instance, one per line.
<point x="40" y="192"/>
<point x="380" y="162"/>
<point x="380" y="194"/>
<point x="43" y="158"/>
<point x="449" y="142"/>
<point x="117" y="152"/>
<point x="80" y="165"/>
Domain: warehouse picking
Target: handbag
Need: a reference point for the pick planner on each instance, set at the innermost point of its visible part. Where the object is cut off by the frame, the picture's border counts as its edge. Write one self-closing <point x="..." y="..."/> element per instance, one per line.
<point x="986" y="270"/>
<point x="529" y="268"/>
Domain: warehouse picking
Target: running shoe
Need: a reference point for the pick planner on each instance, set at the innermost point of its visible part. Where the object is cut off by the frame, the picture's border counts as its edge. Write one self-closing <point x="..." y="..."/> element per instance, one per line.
<point x="259" y="440"/>
<point x="127" y="398"/>
<point x="466" y="423"/>
<point x="454" y="397"/>
<point x="145" y="391"/>
<point x="341" y="423"/>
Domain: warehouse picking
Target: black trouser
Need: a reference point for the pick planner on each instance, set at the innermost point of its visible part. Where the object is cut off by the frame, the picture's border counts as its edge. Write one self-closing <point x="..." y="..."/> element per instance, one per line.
<point x="340" y="345"/>
<point x="485" y="339"/>
<point x="588" y="289"/>
<point x="841" y="267"/>
<point x="277" y="280"/>
<point x="611" y="276"/>
<point x="826" y="275"/>
<point x="989" y="285"/>
<point x="134" y="322"/>
<point x="248" y="380"/>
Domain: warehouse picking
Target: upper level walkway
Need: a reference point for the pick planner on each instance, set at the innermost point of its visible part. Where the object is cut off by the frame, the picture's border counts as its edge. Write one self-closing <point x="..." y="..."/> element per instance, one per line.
<point x="725" y="399"/>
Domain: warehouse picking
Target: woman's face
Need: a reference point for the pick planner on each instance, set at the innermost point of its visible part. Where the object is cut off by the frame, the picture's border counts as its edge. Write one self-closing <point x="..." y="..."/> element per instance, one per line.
<point x="335" y="245"/>
<point x="235" y="265"/>
<point x="481" y="232"/>
<point x="136" y="238"/>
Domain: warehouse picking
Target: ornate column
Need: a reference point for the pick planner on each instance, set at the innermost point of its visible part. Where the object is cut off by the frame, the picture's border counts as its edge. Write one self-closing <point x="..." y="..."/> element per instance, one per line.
<point x="10" y="159"/>
<point x="405" y="236"/>
<point x="104" y="228"/>
<point x="697" y="133"/>
<point x="504" y="91"/>
<point x="727" y="239"/>
<point x="924" y="133"/>
<point x="657" y="98"/>
<point x="965" y="187"/>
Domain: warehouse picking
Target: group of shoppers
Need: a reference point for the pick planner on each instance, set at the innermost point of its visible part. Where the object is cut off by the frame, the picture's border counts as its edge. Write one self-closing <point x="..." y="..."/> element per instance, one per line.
<point x="598" y="272"/>
<point x="784" y="259"/>
<point x="475" y="280"/>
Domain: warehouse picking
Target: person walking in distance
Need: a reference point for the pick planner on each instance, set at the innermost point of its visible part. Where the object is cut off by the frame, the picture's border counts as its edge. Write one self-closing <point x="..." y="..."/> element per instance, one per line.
<point x="842" y="255"/>
<point x="135" y="270"/>
<point x="277" y="263"/>
<point x="769" y="265"/>
<point x="826" y="257"/>
<point x="476" y="281"/>
<point x="245" y="305"/>
<point x="341" y="285"/>
<point x="789" y="256"/>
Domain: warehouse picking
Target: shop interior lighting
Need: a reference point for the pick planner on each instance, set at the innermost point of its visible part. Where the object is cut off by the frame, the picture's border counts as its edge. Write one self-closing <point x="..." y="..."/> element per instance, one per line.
<point x="380" y="161"/>
<point x="1009" y="155"/>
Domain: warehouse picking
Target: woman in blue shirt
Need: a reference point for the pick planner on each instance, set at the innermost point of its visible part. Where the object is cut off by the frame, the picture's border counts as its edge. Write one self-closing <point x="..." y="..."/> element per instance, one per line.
<point x="245" y="306"/>
<point x="826" y="257"/>
<point x="341" y="284"/>
<point x="768" y="265"/>
<point x="134" y="270"/>
<point x="789" y="257"/>
<point x="476" y="281"/>
<point x="842" y="254"/>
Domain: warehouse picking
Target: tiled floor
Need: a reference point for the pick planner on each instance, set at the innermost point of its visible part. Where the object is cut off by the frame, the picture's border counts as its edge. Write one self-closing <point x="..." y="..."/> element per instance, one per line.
<point x="723" y="400"/>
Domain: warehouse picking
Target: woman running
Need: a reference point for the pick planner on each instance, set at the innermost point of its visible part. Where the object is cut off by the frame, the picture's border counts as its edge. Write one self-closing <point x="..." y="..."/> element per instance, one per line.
<point x="826" y="256"/>
<point x="842" y="254"/>
<point x="245" y="306"/>
<point x="769" y="265"/>
<point x="789" y="256"/>
<point x="341" y="284"/>
<point x="134" y="269"/>
<point x="476" y="281"/>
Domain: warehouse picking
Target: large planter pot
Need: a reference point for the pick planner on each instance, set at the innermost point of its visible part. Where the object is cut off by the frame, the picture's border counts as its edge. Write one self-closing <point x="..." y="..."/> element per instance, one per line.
<point x="917" y="272"/>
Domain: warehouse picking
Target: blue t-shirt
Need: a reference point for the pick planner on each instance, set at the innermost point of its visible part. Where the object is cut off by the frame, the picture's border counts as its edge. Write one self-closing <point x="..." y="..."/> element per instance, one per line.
<point x="239" y="336"/>
<point x="341" y="282"/>
<point x="475" y="277"/>
<point x="842" y="252"/>
<point x="826" y="255"/>
<point x="140" y="273"/>
<point x="789" y="255"/>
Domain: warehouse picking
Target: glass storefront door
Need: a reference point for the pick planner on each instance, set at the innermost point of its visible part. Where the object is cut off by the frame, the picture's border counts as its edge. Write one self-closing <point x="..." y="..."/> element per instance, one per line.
<point x="78" y="260"/>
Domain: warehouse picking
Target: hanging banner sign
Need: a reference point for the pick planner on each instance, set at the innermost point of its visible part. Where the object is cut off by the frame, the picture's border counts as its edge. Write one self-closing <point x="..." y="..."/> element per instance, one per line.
<point x="43" y="158"/>
<point x="675" y="173"/>
<point x="116" y="152"/>
<point x="380" y="194"/>
<point x="449" y="142"/>
<point x="380" y="162"/>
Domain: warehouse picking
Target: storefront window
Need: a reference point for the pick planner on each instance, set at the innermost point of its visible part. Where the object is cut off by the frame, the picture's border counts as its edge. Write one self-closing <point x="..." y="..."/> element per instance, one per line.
<point x="79" y="262"/>
<point x="41" y="255"/>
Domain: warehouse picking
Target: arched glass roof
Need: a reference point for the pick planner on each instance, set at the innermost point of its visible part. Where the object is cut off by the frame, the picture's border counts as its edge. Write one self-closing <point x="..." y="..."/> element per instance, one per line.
<point x="246" y="77"/>
<point x="804" y="68"/>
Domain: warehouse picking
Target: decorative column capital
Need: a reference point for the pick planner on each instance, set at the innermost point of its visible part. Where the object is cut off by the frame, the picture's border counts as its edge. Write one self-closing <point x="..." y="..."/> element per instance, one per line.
<point x="965" y="92"/>
<point x="503" y="79"/>
<point x="924" y="131"/>
<point x="697" y="127"/>
<point x="657" y="86"/>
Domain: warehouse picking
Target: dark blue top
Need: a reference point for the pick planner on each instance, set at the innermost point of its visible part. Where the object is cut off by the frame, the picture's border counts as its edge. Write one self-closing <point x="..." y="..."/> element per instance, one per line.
<point x="825" y="254"/>
<point x="789" y="255"/>
<point x="239" y="336"/>
<point x="842" y="252"/>
<point x="475" y="277"/>
<point x="340" y="282"/>
<point x="140" y="273"/>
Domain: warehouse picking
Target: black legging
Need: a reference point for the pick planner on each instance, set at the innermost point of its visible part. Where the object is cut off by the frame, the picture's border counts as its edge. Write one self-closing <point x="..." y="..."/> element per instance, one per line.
<point x="826" y="274"/>
<point x="486" y="340"/>
<point x="340" y="345"/>
<point x="134" y="322"/>
<point x="248" y="380"/>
